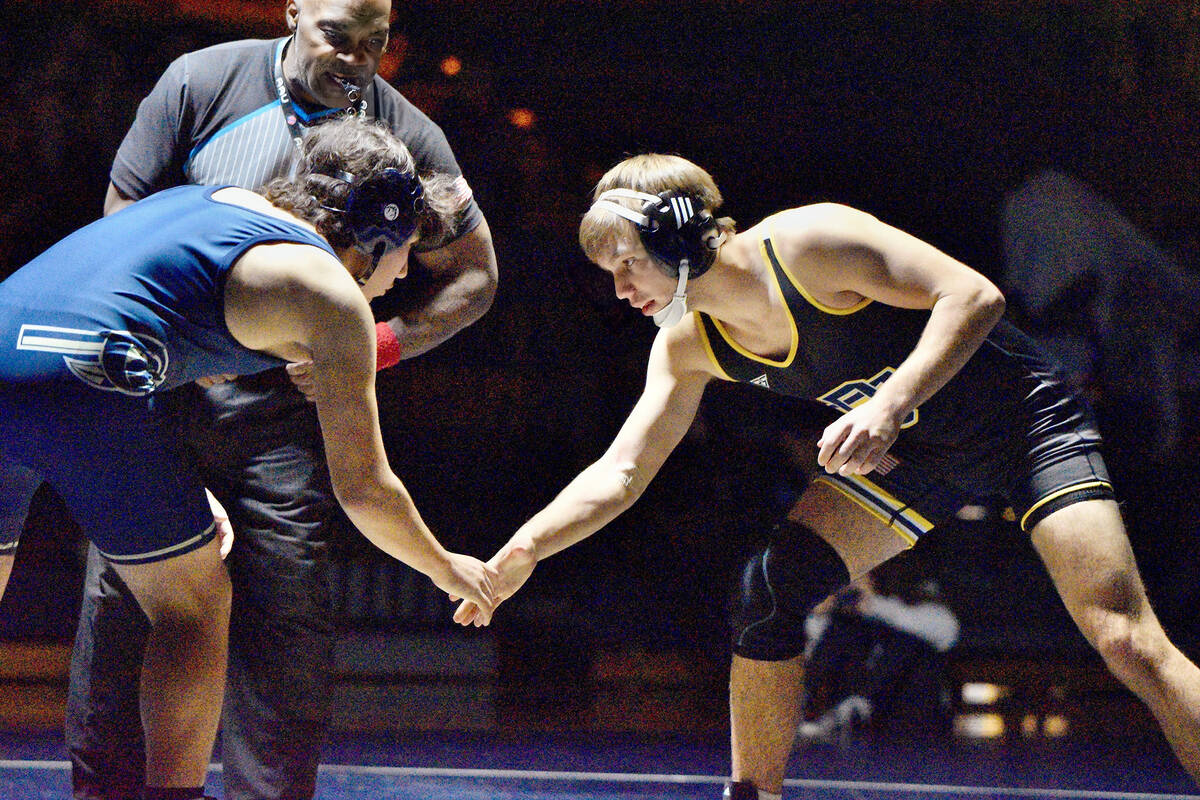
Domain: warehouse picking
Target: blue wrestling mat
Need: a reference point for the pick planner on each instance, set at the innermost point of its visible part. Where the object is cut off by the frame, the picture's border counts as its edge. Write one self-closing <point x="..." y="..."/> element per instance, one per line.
<point x="1114" y="771"/>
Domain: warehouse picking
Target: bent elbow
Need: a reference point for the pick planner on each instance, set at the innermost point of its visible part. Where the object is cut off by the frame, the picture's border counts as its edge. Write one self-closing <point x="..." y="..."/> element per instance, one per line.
<point x="631" y="483"/>
<point x="979" y="299"/>
<point x="992" y="303"/>
<point x="354" y="495"/>
<point x="485" y="294"/>
<point x="349" y="501"/>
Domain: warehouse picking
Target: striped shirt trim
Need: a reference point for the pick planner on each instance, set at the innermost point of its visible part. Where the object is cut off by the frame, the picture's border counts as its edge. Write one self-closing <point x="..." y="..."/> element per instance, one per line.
<point x="303" y="116"/>
<point x="227" y="129"/>
<point x="246" y="156"/>
<point x="905" y="521"/>
<point x="261" y="149"/>
<point x="158" y="555"/>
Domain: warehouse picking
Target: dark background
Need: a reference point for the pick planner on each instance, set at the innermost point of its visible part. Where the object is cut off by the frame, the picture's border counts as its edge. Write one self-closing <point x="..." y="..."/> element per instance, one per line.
<point x="924" y="113"/>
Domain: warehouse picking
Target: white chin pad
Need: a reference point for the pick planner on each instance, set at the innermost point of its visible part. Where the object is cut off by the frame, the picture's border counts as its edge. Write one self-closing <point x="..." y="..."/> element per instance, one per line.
<point x="671" y="313"/>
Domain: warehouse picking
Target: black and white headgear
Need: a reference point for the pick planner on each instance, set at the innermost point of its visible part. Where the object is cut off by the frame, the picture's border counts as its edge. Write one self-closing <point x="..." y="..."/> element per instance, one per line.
<point x="674" y="227"/>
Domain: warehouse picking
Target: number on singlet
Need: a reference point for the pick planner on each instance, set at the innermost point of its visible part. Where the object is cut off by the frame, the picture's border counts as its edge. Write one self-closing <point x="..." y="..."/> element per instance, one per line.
<point x="854" y="393"/>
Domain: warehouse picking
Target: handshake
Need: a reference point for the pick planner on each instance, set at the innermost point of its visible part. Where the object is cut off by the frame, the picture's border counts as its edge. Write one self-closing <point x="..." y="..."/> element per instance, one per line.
<point x="513" y="564"/>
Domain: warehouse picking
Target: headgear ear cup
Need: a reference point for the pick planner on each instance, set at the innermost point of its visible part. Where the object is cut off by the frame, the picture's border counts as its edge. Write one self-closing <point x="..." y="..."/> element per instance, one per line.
<point x="673" y="227"/>
<point x="677" y="232"/>
<point x="384" y="208"/>
<point x="381" y="212"/>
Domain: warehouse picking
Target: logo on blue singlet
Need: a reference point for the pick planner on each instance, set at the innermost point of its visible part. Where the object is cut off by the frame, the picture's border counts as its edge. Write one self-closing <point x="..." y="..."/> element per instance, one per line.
<point x="115" y="361"/>
<point x="854" y="393"/>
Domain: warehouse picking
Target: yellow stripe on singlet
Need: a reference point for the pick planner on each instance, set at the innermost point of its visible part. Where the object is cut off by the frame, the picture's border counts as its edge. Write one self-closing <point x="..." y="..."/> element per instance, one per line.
<point x="794" y="344"/>
<point x="904" y="521"/>
<point x="721" y="373"/>
<point x="817" y="304"/>
<point x="1055" y="495"/>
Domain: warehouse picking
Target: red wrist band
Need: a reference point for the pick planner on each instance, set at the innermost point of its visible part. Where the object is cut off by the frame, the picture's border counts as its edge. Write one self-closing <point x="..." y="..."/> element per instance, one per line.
<point x="387" y="346"/>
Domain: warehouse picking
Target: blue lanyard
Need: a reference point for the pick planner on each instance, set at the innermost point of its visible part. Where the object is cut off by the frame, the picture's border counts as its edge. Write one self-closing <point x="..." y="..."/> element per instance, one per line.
<point x="285" y="101"/>
<point x="354" y="96"/>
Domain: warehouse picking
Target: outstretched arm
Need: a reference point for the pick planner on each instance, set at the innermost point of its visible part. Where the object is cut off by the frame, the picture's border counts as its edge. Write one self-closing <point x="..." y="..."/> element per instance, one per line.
<point x="326" y="315"/>
<point x="612" y="483"/>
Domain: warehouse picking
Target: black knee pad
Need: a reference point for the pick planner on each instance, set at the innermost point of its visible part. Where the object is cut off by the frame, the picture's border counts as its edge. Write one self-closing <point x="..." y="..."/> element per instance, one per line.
<point x="780" y="585"/>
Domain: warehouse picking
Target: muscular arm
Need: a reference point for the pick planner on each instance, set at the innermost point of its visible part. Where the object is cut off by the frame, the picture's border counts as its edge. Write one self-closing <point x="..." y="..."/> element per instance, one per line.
<point x="846" y="254"/>
<point x="462" y="283"/>
<point x="282" y="298"/>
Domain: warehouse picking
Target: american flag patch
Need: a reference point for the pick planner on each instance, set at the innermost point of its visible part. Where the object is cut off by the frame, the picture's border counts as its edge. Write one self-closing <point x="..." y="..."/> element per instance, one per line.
<point x="887" y="464"/>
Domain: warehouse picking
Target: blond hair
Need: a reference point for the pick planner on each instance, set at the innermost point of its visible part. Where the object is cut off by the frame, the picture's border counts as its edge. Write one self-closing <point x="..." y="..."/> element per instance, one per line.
<point x="652" y="173"/>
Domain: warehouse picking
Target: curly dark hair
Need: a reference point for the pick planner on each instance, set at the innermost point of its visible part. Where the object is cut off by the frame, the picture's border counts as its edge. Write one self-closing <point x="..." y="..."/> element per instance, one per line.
<point x="364" y="148"/>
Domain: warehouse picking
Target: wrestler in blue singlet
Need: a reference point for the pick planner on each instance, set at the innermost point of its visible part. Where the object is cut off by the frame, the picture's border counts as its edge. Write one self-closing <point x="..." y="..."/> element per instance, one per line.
<point x="92" y="329"/>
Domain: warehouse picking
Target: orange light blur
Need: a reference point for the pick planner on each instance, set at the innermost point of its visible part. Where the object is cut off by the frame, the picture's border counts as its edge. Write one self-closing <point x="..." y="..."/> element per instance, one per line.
<point x="522" y="118"/>
<point x="388" y="65"/>
<point x="451" y="66"/>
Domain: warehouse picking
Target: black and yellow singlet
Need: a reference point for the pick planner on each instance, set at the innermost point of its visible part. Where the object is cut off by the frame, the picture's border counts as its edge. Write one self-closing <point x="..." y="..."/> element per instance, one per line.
<point x="1008" y="407"/>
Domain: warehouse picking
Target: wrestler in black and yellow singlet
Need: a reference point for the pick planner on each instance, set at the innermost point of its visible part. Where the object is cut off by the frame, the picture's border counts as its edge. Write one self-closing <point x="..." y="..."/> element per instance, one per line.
<point x="1007" y="424"/>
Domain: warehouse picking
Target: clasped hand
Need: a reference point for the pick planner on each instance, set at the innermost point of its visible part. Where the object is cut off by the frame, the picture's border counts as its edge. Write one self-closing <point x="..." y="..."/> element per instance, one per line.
<point x="472" y="581"/>
<point x="513" y="564"/>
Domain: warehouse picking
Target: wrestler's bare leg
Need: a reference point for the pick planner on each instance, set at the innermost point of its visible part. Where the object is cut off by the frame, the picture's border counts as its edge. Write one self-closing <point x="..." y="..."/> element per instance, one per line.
<point x="1087" y="552"/>
<point x="186" y="599"/>
<point x="765" y="697"/>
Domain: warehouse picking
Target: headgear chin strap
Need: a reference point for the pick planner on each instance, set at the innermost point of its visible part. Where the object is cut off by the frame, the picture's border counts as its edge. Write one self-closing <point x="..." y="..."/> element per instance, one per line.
<point x="381" y="212"/>
<point x="670" y="314"/>
<point x="673" y="228"/>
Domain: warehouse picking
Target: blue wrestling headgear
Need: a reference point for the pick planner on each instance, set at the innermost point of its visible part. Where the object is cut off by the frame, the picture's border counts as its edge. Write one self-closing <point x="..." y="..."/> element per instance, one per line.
<point x="674" y="228"/>
<point x="381" y="212"/>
